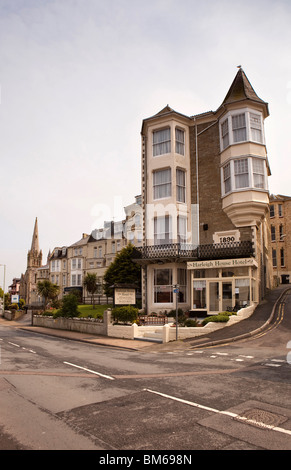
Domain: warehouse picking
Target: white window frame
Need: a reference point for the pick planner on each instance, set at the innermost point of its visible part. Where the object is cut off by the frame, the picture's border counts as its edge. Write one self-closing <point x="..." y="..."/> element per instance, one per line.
<point x="161" y="141"/>
<point x="254" y="128"/>
<point x="179" y="141"/>
<point x="76" y="264"/>
<point x="230" y="177"/>
<point x="180" y="186"/>
<point x="182" y="229"/>
<point x="160" y="288"/>
<point x="55" y="266"/>
<point x="163" y="230"/>
<point x="159" y="187"/>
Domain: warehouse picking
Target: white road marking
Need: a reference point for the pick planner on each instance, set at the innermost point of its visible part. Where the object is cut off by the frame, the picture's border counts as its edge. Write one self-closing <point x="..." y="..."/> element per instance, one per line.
<point x="89" y="370"/>
<point x="13" y="344"/>
<point x="227" y="413"/>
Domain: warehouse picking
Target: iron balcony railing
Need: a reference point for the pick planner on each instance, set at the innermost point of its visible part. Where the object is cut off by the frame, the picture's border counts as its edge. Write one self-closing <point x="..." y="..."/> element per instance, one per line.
<point x="243" y="249"/>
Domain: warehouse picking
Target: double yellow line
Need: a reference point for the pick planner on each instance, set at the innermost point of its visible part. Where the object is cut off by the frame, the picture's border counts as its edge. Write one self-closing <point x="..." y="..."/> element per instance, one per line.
<point x="278" y="319"/>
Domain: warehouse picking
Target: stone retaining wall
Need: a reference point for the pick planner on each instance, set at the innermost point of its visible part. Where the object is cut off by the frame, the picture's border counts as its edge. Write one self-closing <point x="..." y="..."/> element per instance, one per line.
<point x="13" y="314"/>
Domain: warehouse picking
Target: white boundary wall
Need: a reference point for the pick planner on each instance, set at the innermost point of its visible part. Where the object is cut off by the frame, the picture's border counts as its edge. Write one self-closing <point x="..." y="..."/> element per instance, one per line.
<point x="166" y="332"/>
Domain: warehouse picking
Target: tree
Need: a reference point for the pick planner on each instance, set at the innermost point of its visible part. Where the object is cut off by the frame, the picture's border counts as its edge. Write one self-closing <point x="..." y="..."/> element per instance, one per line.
<point x="69" y="307"/>
<point x="123" y="270"/>
<point x="90" y="282"/>
<point x="48" y="291"/>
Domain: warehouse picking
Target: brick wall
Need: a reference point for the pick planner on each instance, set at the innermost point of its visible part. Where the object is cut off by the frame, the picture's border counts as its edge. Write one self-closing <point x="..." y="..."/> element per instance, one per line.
<point x="211" y="212"/>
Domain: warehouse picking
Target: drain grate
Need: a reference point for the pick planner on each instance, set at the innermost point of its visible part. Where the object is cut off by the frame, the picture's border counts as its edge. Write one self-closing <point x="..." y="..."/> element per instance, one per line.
<point x="261" y="418"/>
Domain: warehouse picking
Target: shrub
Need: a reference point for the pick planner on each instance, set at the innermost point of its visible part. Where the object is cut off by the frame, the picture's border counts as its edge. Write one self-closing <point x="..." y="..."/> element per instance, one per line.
<point x="216" y="318"/>
<point x="125" y="314"/>
<point x="13" y="307"/>
<point x="172" y="313"/>
<point x="190" y="322"/>
<point x="69" y="307"/>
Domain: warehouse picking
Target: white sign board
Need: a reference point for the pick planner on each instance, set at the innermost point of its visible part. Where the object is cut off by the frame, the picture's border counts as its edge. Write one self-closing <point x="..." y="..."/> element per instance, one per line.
<point x="124" y="296"/>
<point x="222" y="263"/>
<point x="14" y="299"/>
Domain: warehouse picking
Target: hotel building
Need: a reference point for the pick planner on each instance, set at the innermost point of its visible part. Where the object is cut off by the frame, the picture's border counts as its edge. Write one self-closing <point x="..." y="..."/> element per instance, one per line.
<point x="205" y="206"/>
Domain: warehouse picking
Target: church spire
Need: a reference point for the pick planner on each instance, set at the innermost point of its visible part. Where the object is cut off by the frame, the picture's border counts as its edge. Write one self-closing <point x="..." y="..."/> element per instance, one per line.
<point x="35" y="243"/>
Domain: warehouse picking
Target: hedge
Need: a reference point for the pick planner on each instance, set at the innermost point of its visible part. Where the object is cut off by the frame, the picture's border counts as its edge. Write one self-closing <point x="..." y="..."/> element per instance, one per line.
<point x="125" y="314"/>
<point x="216" y="318"/>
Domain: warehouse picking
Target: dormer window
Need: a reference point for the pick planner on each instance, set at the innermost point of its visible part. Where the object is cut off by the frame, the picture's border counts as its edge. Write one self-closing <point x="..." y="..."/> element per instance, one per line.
<point x="242" y="126"/>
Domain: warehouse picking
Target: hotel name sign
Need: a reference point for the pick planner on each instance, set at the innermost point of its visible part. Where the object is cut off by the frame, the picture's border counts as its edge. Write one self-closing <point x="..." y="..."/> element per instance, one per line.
<point x="124" y="296"/>
<point x="222" y="263"/>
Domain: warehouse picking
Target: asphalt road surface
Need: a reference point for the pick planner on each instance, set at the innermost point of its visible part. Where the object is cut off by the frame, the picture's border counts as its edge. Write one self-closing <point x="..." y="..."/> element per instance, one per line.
<point x="57" y="394"/>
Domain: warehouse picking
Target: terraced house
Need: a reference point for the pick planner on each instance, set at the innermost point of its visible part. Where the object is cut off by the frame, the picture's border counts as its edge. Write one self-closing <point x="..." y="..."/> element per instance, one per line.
<point x="205" y="206"/>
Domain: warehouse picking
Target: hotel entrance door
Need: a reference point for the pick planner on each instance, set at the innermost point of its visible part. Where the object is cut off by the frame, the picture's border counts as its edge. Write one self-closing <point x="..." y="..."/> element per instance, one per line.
<point x="220" y="295"/>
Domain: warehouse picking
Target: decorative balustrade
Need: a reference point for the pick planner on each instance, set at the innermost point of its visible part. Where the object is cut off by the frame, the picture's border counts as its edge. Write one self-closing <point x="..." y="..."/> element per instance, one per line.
<point x="172" y="251"/>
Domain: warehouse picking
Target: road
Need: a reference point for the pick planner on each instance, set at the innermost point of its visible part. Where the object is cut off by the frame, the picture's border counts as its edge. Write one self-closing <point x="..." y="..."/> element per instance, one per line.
<point x="57" y="394"/>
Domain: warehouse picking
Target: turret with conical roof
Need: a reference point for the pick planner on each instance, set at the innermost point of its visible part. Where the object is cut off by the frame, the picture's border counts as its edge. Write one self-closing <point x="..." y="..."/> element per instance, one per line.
<point x="241" y="90"/>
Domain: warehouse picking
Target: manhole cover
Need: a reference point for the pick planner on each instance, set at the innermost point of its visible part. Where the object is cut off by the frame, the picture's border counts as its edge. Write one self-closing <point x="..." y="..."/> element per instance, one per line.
<point x="261" y="418"/>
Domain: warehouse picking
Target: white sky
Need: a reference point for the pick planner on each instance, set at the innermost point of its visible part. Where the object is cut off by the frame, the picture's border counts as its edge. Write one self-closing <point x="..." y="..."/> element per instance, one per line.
<point x="77" y="78"/>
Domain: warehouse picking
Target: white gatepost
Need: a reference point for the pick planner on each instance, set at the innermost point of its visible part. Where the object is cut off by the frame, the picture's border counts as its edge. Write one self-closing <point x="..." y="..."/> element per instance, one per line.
<point x="166" y="333"/>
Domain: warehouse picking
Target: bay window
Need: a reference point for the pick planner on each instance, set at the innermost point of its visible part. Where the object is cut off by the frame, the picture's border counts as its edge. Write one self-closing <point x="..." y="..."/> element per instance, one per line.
<point x="244" y="173"/>
<point x="162" y="141"/>
<point x="242" y="126"/>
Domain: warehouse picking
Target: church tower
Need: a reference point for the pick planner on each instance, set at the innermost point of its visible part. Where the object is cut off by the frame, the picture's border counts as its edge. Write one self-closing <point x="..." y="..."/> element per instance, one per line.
<point x="34" y="256"/>
<point x="34" y="261"/>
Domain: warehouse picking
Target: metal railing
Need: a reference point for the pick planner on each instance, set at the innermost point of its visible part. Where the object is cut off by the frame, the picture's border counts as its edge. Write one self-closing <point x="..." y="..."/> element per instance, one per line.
<point x="184" y="251"/>
<point x="152" y="320"/>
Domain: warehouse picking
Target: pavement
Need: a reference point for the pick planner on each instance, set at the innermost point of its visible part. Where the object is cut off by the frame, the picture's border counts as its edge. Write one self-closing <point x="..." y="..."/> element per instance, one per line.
<point x="245" y="328"/>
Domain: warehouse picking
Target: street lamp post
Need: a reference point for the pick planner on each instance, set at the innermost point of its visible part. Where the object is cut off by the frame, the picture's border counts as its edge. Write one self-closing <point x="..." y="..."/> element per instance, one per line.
<point x="176" y="291"/>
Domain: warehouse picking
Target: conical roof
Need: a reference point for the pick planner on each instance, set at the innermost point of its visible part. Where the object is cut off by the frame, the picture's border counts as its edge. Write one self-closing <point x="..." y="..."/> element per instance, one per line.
<point x="241" y="89"/>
